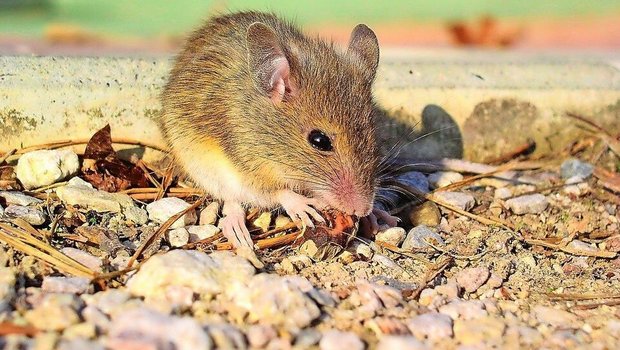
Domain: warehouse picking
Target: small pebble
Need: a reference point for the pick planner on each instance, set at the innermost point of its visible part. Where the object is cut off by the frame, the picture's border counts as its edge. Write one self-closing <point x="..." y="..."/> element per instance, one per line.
<point x="77" y="344"/>
<point x="581" y="246"/>
<point x="426" y="213"/>
<point x="400" y="342"/>
<point x="200" y="232"/>
<point x="79" y="182"/>
<point x="433" y="326"/>
<point x="307" y="338"/>
<point x="55" y="312"/>
<point x="393" y="236"/>
<point x="336" y="340"/>
<point x="461" y="200"/>
<point x="472" y="278"/>
<point x="208" y="215"/>
<point x="263" y="221"/>
<point x="70" y="285"/>
<point x="282" y="220"/>
<point x="464" y="309"/>
<point x="450" y="289"/>
<point x="575" y="167"/>
<point x="45" y="167"/>
<point x="528" y="204"/>
<point x="502" y="193"/>
<point x="143" y="328"/>
<point x="576" y="186"/>
<point x="479" y="331"/>
<point x="259" y="335"/>
<point x="444" y="178"/>
<point x="163" y="209"/>
<point x="31" y="215"/>
<point x="92" y="262"/>
<point x="178" y="237"/>
<point x="18" y="198"/>
<point x="555" y="317"/>
<point x="418" y="237"/>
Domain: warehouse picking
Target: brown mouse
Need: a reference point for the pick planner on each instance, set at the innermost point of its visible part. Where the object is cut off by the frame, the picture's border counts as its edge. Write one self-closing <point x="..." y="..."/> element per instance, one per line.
<point x="258" y="114"/>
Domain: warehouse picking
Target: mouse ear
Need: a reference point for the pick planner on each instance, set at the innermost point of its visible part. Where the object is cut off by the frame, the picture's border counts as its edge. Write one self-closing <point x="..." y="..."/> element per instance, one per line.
<point x="268" y="63"/>
<point x="365" y="46"/>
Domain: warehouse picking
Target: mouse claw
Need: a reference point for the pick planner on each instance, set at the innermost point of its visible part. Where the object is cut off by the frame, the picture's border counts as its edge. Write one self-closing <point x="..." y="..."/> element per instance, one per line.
<point x="298" y="208"/>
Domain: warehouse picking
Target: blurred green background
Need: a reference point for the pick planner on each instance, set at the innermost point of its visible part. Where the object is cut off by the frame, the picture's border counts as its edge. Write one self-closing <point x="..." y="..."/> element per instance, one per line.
<point x="149" y="18"/>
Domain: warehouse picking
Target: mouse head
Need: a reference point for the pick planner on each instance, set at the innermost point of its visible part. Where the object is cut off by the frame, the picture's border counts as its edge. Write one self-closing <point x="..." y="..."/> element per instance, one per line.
<point x="317" y="108"/>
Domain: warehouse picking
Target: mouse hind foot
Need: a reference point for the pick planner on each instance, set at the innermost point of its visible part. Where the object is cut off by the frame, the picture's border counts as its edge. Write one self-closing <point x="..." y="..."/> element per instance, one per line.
<point x="233" y="225"/>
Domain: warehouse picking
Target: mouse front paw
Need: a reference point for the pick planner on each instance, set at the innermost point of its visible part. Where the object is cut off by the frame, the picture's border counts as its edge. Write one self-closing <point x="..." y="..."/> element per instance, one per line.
<point x="299" y="207"/>
<point x="233" y="226"/>
<point x="369" y="225"/>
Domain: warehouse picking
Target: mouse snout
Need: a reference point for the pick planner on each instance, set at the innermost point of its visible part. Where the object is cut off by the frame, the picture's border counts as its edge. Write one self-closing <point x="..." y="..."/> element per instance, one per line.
<point x="350" y="197"/>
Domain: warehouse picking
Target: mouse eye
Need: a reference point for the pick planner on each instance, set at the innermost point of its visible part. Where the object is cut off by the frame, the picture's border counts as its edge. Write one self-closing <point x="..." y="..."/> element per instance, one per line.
<point x="320" y="141"/>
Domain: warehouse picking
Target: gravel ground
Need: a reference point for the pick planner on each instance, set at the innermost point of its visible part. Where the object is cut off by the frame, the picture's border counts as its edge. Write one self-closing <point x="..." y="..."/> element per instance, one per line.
<point x="442" y="280"/>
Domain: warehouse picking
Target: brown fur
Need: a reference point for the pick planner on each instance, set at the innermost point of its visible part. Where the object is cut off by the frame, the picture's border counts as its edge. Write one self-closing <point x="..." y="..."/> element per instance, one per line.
<point x="213" y="110"/>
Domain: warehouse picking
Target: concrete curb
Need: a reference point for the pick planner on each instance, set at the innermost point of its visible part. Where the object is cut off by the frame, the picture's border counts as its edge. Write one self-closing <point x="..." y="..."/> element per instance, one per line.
<point x="483" y="103"/>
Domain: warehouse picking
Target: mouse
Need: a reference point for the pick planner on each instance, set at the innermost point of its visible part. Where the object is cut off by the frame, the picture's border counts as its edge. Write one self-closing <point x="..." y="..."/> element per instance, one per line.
<point x="259" y="114"/>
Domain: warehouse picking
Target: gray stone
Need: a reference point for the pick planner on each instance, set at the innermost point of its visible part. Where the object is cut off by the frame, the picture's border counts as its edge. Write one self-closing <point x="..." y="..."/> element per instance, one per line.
<point x="178" y="237"/>
<point x="101" y="201"/>
<point x="307" y="338"/>
<point x="393" y="236"/>
<point x="31" y="215"/>
<point x="413" y="179"/>
<point x="433" y="326"/>
<point x="472" y="278"/>
<point x="575" y="167"/>
<point x="143" y="328"/>
<point x="162" y="210"/>
<point x="18" y="198"/>
<point x="528" y="204"/>
<point x="7" y="287"/>
<point x="92" y="262"/>
<point x="200" y="232"/>
<point x="464" y="201"/>
<point x="226" y="336"/>
<point x="336" y="340"/>
<point x="45" y="167"/>
<point x="444" y="178"/>
<point x="70" y="285"/>
<point x="418" y="237"/>
<point x="79" y="344"/>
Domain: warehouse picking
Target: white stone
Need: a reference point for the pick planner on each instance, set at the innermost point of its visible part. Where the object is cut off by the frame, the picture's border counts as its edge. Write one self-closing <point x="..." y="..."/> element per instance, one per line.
<point x="420" y="236"/>
<point x="528" y="204"/>
<point x="444" y="178"/>
<point x="162" y="210"/>
<point x="400" y="342"/>
<point x="464" y="309"/>
<point x="206" y="274"/>
<point x="555" y="317"/>
<point x="461" y="200"/>
<point x="393" y="236"/>
<point x="45" y="167"/>
<point x="178" y="237"/>
<point x="200" y="232"/>
<point x="18" y="198"/>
